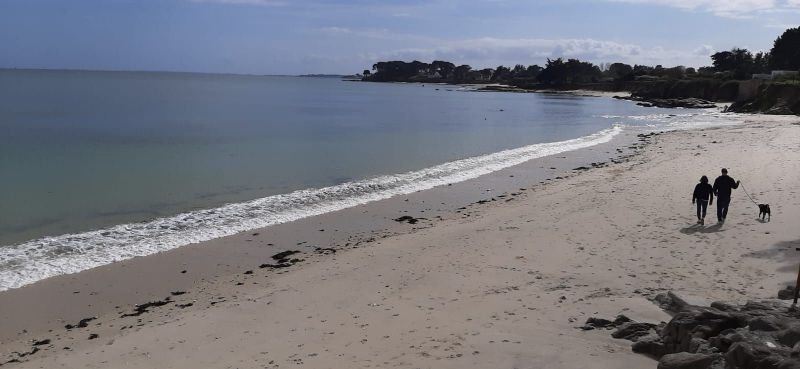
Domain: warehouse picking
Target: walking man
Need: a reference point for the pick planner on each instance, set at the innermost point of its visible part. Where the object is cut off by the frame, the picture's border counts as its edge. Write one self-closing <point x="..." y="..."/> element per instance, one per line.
<point x="723" y="186"/>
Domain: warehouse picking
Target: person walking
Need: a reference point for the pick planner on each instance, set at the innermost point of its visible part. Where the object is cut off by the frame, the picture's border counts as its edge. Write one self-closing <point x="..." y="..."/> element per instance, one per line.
<point x="723" y="186"/>
<point x="703" y="196"/>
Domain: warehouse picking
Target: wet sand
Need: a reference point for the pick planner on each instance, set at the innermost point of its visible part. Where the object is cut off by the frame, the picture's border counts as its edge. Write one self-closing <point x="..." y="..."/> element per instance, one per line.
<point x="496" y="272"/>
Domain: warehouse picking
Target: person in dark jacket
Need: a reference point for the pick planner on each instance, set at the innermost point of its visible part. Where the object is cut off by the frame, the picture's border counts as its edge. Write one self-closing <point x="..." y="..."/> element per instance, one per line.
<point x="723" y="186"/>
<point x="703" y="196"/>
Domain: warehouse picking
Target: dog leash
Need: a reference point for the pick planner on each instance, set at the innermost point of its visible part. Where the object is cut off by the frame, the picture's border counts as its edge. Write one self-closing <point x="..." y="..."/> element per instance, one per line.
<point x="748" y="195"/>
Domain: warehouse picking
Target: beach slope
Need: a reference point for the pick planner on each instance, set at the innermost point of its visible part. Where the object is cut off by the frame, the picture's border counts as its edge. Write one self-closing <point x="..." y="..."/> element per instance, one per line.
<point x="506" y="286"/>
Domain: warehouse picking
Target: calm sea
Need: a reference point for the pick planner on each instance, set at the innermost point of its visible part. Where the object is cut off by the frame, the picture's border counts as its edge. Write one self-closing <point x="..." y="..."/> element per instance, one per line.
<point x="102" y="166"/>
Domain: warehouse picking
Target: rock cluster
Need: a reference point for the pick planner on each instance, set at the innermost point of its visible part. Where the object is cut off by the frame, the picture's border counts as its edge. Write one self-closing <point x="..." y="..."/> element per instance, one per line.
<point x="690" y="103"/>
<point x="757" y="335"/>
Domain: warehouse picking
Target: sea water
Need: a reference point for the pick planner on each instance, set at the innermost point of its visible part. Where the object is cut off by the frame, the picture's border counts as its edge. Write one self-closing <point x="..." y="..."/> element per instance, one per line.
<point x="104" y="166"/>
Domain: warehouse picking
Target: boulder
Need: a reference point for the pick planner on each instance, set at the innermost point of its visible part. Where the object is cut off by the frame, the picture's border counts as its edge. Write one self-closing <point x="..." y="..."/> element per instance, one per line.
<point x="766" y="323"/>
<point x="790" y="336"/>
<point x="751" y="355"/>
<point x="670" y="302"/>
<point x="650" y="345"/>
<point x="786" y="293"/>
<point x="632" y="331"/>
<point x="686" y="360"/>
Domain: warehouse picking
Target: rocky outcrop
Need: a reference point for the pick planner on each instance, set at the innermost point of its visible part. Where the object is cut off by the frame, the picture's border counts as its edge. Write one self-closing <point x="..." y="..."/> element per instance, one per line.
<point x="688" y="103"/>
<point x="705" y="89"/>
<point x="772" y="98"/>
<point x="757" y="335"/>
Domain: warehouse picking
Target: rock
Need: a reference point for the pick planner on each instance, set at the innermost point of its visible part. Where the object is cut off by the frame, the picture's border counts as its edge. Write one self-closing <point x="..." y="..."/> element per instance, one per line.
<point x="632" y="331"/>
<point x="769" y="324"/>
<point x="685" y="360"/>
<point x="790" y="336"/>
<point x="670" y="302"/>
<point x="599" y="322"/>
<point x="41" y="342"/>
<point x="786" y="293"/>
<point x="724" y="306"/>
<point x="650" y="345"/>
<point x="621" y="319"/>
<point x="697" y="322"/>
<point x="762" y="334"/>
<point x="747" y="355"/>
<point x="792" y="363"/>
<point x="284" y="254"/>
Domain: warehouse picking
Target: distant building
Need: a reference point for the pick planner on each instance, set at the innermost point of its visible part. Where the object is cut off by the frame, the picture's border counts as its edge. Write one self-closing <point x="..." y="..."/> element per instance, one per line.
<point x="429" y="75"/>
<point x="785" y="74"/>
<point x="778" y="74"/>
<point x="646" y="78"/>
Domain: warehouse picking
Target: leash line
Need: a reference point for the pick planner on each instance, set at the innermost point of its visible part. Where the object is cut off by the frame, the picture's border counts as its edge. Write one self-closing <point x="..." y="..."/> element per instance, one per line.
<point x="748" y="195"/>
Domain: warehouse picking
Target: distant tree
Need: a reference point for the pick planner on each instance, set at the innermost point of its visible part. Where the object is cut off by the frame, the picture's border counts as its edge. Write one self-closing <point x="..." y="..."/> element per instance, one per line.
<point x="785" y="53"/>
<point x="705" y="71"/>
<point x="398" y="70"/>
<point x="533" y="70"/>
<point x="761" y="62"/>
<point x="739" y="62"/>
<point x="461" y="73"/>
<point x="619" y="71"/>
<point x="554" y="73"/>
<point x="366" y="73"/>
<point x="675" y="72"/>
<point x="518" y="71"/>
<point x="500" y="73"/>
<point x="443" y="68"/>
<point x="559" y="72"/>
<point x="642" y="70"/>
<point x="691" y="71"/>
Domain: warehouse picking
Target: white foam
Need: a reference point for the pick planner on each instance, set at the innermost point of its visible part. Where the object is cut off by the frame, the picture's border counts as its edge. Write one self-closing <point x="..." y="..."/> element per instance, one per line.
<point x="31" y="261"/>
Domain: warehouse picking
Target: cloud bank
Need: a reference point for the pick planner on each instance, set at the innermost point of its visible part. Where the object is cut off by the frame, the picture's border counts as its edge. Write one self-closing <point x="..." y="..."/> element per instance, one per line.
<point x="490" y="52"/>
<point x="725" y="8"/>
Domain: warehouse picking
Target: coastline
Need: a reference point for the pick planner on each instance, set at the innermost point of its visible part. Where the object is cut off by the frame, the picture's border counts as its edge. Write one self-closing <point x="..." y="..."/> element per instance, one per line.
<point x="441" y="276"/>
<point x="145" y="278"/>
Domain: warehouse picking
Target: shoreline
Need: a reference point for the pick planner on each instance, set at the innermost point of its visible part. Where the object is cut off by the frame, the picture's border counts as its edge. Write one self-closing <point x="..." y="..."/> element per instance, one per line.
<point x="122" y="241"/>
<point x="214" y="268"/>
<point x="152" y="277"/>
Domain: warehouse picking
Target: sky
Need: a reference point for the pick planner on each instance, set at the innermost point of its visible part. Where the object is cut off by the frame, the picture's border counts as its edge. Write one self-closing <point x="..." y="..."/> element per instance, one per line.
<point x="348" y="36"/>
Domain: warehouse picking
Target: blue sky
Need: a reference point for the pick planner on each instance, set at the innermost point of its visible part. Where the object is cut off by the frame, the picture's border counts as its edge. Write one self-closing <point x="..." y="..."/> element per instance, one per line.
<point x="347" y="36"/>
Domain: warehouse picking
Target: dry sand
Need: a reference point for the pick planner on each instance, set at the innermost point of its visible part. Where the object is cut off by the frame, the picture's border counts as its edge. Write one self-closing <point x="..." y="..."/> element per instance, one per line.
<point x="501" y="284"/>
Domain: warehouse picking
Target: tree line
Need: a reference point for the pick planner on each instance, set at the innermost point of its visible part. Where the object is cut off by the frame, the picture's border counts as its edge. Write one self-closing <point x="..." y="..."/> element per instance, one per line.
<point x="734" y="64"/>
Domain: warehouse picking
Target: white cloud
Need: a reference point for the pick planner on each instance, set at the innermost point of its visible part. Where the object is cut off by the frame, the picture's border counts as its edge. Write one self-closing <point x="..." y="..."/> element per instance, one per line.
<point x="704" y="50"/>
<point x="490" y="52"/>
<point x="245" y="2"/>
<point x="725" y="8"/>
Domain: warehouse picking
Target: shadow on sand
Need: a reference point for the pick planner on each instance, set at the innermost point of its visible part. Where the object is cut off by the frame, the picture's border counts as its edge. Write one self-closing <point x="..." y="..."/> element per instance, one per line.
<point x="697" y="228"/>
<point x="783" y="253"/>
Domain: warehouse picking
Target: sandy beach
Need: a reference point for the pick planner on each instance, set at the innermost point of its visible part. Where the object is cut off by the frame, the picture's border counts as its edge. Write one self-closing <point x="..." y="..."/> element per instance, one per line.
<point x="496" y="272"/>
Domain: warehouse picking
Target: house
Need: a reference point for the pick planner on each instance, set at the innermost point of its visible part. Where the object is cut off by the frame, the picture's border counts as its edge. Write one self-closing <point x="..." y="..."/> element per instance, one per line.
<point x="785" y="74"/>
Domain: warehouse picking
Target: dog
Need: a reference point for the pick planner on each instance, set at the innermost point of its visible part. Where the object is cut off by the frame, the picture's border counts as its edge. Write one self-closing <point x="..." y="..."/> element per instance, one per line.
<point x="763" y="211"/>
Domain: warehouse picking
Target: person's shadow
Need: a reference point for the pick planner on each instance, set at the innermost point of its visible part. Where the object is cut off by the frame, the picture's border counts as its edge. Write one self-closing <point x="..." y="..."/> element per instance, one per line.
<point x="697" y="228"/>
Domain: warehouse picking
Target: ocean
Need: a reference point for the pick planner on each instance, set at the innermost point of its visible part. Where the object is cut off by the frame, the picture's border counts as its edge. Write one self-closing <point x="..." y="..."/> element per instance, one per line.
<point x="104" y="166"/>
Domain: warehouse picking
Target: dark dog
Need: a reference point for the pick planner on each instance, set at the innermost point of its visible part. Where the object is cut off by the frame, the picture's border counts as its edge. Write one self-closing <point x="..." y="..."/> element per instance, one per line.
<point x="763" y="211"/>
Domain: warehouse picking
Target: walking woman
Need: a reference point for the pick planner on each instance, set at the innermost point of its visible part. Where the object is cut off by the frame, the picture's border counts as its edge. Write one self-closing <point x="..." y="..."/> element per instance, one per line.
<point x="703" y="196"/>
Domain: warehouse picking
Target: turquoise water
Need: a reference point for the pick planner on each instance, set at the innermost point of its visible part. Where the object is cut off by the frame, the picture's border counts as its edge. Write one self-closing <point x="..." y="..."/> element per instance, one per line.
<point x="86" y="151"/>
